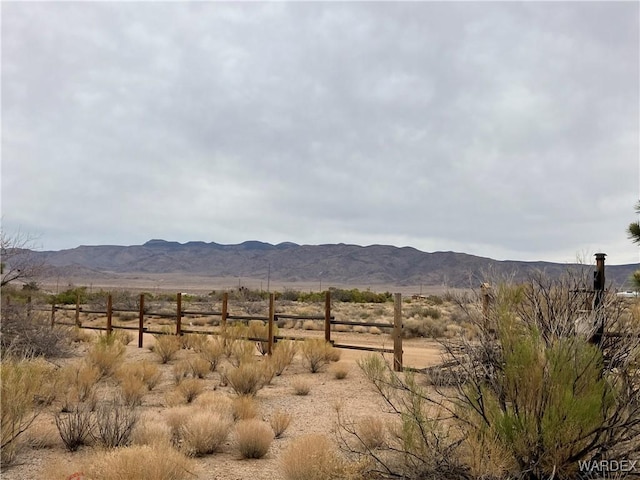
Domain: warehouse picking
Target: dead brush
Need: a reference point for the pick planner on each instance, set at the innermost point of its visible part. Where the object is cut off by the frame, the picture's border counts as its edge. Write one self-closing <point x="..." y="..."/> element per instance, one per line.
<point x="166" y="347"/>
<point x="203" y="433"/>
<point x="147" y="372"/>
<point x="317" y="353"/>
<point x="283" y="354"/>
<point x="212" y="351"/>
<point x="244" y="408"/>
<point x="78" y="384"/>
<point x="160" y="462"/>
<point x="246" y="379"/>
<point x="279" y="422"/>
<point x="76" y="427"/>
<point x="106" y="354"/>
<point x="114" y="424"/>
<point x="253" y="438"/>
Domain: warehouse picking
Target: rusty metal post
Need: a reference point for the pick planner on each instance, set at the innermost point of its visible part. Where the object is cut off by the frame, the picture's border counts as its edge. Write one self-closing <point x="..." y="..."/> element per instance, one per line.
<point x="109" y="314"/>
<point x="397" y="332"/>
<point x="598" y="298"/>
<point x="179" y="313"/>
<point x="78" y="310"/>
<point x="272" y="312"/>
<point x="225" y="309"/>
<point x="141" y="321"/>
<point x="327" y="316"/>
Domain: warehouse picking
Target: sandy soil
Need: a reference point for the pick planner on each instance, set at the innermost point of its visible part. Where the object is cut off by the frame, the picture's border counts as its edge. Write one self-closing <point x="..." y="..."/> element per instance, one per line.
<point x="314" y="413"/>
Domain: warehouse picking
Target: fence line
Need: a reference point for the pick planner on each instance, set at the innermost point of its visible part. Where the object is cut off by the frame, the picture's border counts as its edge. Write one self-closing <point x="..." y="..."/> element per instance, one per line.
<point x="225" y="317"/>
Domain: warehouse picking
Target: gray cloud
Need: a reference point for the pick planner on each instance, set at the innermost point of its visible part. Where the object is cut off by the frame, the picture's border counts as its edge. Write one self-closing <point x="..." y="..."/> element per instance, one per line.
<point x="500" y="129"/>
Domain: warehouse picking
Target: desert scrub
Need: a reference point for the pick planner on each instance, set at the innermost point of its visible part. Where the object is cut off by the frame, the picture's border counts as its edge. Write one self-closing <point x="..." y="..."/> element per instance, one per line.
<point x="26" y="391"/>
<point x="211" y="350"/>
<point x="312" y="457"/>
<point x="339" y="370"/>
<point x="371" y="432"/>
<point x="132" y="391"/>
<point x="216" y="402"/>
<point x="301" y="386"/>
<point x="283" y="354"/>
<point x="76" y="427"/>
<point x="246" y="379"/>
<point x="204" y="432"/>
<point x="138" y="462"/>
<point x="244" y="408"/>
<point x="186" y="391"/>
<point x="279" y="422"/>
<point x="78" y="384"/>
<point x="253" y="438"/>
<point x="317" y="353"/>
<point x="241" y="351"/>
<point x="260" y="330"/>
<point x="166" y="347"/>
<point x="106" y="354"/>
<point x="114" y="423"/>
<point x="147" y="372"/>
<point x="147" y="431"/>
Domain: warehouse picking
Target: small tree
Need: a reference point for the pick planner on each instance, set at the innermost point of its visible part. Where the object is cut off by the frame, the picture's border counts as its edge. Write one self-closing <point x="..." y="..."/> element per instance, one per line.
<point x="18" y="262"/>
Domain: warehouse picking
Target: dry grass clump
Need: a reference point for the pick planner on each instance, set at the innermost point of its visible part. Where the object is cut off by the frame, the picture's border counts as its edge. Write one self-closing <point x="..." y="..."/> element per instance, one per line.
<point x="106" y="354"/>
<point x="301" y="386"/>
<point x="190" y="388"/>
<point x="203" y="433"/>
<point x="147" y="372"/>
<point x="166" y="347"/>
<point x="132" y="391"/>
<point x="216" y="402"/>
<point x="149" y="432"/>
<point x="253" y="438"/>
<point x="246" y="379"/>
<point x="340" y="370"/>
<point x="371" y="432"/>
<point x="244" y="408"/>
<point x="260" y="329"/>
<point x="211" y="350"/>
<point x="77" y="383"/>
<point x="317" y="353"/>
<point x="279" y="422"/>
<point x="283" y="354"/>
<point x="42" y="435"/>
<point x="25" y="393"/>
<point x="312" y="457"/>
<point x="122" y="336"/>
<point x="241" y="351"/>
<point x="139" y="462"/>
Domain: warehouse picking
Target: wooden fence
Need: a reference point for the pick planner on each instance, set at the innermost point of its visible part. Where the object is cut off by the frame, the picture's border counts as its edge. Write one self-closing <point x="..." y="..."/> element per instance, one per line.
<point x="225" y="317"/>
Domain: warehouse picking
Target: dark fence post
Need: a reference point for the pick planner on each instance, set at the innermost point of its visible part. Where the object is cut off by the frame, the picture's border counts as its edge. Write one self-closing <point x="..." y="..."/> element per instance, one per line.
<point x="270" y="325"/>
<point x="225" y="313"/>
<point x="53" y="315"/>
<point x="327" y="316"/>
<point x="78" y="310"/>
<point x="109" y="314"/>
<point x="397" y="332"/>
<point x="141" y="321"/>
<point x="29" y="307"/>
<point x="598" y="298"/>
<point x="179" y="314"/>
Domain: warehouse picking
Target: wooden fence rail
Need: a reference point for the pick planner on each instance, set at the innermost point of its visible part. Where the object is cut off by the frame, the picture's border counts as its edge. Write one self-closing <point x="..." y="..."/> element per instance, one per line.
<point x="225" y="317"/>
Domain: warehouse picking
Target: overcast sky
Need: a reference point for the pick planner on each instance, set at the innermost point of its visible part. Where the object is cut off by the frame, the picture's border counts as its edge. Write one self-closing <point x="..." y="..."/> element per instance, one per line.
<point x="506" y="130"/>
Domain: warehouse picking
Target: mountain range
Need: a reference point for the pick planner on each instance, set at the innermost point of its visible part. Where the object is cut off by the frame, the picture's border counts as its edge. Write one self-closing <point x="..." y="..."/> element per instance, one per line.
<point x="290" y="262"/>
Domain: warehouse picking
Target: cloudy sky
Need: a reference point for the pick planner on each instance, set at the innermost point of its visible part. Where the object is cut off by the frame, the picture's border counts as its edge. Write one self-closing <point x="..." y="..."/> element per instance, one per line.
<point x="507" y="130"/>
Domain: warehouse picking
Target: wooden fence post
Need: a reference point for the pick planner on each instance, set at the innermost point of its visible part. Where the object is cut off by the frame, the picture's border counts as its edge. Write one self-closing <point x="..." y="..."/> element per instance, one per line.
<point x="141" y="321"/>
<point x="327" y="316"/>
<point x="53" y="314"/>
<point x="78" y="310"/>
<point x="29" y="307"/>
<point x="179" y="313"/>
<point x="397" y="332"/>
<point x="270" y="325"/>
<point x="225" y="305"/>
<point x="109" y="313"/>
